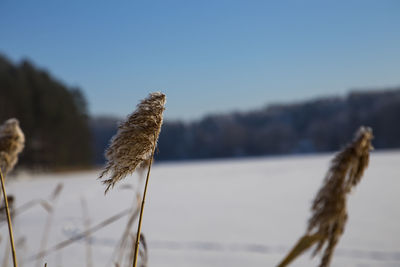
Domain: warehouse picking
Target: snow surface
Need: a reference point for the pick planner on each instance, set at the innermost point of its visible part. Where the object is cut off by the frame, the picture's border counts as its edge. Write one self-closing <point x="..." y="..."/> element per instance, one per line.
<point x="244" y="212"/>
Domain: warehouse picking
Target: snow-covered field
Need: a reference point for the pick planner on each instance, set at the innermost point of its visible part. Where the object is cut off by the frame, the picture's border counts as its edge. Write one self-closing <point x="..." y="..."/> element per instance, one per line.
<point x="245" y="212"/>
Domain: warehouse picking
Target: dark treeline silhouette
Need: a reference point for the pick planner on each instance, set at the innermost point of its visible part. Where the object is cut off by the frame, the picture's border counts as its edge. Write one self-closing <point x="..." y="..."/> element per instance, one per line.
<point x="59" y="132"/>
<point x="319" y="125"/>
<point x="53" y="117"/>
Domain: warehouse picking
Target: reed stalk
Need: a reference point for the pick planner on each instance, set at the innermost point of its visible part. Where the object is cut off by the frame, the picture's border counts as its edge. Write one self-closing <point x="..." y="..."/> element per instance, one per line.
<point x="10" y="231"/>
<point x="134" y="146"/>
<point x="122" y="243"/>
<point x="88" y="239"/>
<point x="142" y="207"/>
<point x="50" y="208"/>
<point x="81" y="235"/>
<point x="329" y="208"/>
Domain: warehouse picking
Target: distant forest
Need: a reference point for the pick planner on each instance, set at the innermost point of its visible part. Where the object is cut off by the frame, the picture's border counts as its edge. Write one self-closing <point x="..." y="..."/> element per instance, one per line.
<point x="53" y="117"/>
<point x="60" y="133"/>
<point x="320" y="125"/>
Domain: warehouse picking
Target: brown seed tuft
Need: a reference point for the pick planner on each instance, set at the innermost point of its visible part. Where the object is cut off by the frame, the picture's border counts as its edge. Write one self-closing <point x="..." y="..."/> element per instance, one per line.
<point x="329" y="214"/>
<point x="12" y="142"/>
<point x="135" y="139"/>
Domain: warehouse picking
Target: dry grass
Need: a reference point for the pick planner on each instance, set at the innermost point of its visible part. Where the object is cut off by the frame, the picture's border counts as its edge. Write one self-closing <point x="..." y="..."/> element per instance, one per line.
<point x="132" y="149"/>
<point x="63" y="244"/>
<point x="84" y="235"/>
<point x="133" y="144"/>
<point x="329" y="212"/>
<point x="49" y="206"/>
<point x="88" y="238"/>
<point x="118" y="254"/>
<point x="12" y="142"/>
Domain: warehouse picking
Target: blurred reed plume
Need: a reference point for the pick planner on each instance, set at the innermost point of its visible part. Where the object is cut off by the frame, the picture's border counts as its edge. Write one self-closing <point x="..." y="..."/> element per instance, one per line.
<point x="133" y="144"/>
<point x="12" y="142"/>
<point x="329" y="213"/>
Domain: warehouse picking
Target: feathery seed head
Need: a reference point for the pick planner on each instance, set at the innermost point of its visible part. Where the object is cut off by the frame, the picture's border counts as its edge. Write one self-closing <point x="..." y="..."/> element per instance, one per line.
<point x="329" y="207"/>
<point x="135" y="139"/>
<point x="12" y="142"/>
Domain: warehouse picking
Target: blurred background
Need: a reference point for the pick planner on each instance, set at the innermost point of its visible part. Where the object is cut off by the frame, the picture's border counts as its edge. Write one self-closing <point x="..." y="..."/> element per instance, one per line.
<point x="242" y="78"/>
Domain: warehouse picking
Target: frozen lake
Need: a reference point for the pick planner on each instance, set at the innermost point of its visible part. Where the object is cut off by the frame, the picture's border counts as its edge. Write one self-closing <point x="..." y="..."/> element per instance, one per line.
<point x="246" y="212"/>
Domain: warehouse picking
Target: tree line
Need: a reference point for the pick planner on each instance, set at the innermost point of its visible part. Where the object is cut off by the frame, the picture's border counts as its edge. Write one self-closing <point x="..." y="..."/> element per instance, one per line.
<point x="318" y="125"/>
<point x="60" y="133"/>
<point x="53" y="117"/>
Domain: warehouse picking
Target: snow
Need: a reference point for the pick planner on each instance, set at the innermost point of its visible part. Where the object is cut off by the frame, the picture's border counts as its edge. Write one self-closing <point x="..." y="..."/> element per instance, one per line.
<point x="241" y="212"/>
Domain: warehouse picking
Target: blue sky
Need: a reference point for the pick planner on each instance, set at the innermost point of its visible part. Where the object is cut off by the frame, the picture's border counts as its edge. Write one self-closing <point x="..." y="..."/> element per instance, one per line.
<point x="207" y="56"/>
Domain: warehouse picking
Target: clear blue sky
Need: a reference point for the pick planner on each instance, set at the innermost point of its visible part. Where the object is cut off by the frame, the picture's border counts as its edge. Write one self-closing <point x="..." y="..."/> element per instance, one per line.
<point x="207" y="56"/>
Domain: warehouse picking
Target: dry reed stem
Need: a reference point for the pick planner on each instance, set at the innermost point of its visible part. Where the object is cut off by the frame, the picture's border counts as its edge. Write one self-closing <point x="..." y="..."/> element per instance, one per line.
<point x="132" y="248"/>
<point x="12" y="142"/>
<point x="135" y="144"/>
<point x="144" y="252"/>
<point x="302" y="245"/>
<point x="10" y="231"/>
<point x="49" y="207"/>
<point x="135" y="138"/>
<point x="329" y="213"/>
<point x="88" y="238"/>
<point x="83" y="234"/>
<point x="27" y="206"/>
<point x="134" y="264"/>
<point x="119" y="249"/>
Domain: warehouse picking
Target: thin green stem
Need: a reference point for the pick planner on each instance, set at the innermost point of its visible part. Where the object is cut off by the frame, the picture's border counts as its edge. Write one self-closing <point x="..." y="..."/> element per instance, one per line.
<point x="142" y="207"/>
<point x="10" y="231"/>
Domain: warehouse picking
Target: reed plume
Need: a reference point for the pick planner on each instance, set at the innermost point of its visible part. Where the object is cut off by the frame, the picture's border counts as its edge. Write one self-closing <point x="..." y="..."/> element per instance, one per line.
<point x="133" y="144"/>
<point x="12" y="142"/>
<point x="329" y="212"/>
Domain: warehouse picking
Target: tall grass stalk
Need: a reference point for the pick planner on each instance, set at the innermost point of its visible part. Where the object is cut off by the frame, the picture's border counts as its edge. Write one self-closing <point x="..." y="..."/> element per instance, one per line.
<point x="82" y="235"/>
<point x="50" y="208"/>
<point x="88" y="238"/>
<point x="134" y="146"/>
<point x="142" y="207"/>
<point x="12" y="142"/>
<point x="10" y="231"/>
<point x="329" y="208"/>
<point x="119" y="250"/>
